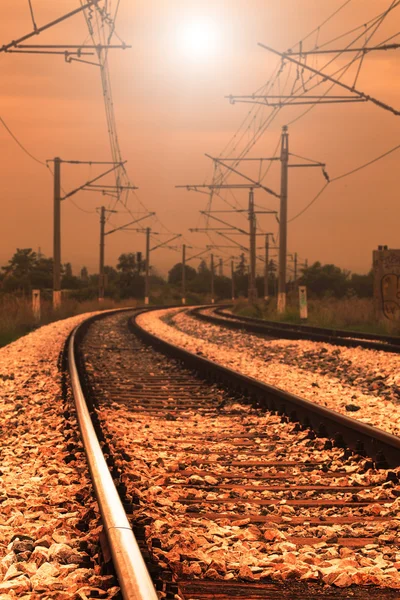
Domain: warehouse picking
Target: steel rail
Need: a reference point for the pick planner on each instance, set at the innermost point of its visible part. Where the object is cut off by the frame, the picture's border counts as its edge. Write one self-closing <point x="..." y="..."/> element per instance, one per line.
<point x="133" y="577"/>
<point x="346" y="333"/>
<point x="290" y="331"/>
<point x="381" y="446"/>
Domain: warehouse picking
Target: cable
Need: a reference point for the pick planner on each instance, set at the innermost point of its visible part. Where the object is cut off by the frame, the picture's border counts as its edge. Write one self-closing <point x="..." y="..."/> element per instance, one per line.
<point x="89" y="212"/>
<point x="374" y="160"/>
<point x="338" y="177"/>
<point x="375" y="21"/>
<point x="324" y="22"/>
<point x="309" y="204"/>
<point x="32" y="15"/>
<point x="20" y="145"/>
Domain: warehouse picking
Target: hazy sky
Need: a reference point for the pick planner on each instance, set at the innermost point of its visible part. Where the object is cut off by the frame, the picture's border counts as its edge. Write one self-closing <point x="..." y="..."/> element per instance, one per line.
<point x="168" y="93"/>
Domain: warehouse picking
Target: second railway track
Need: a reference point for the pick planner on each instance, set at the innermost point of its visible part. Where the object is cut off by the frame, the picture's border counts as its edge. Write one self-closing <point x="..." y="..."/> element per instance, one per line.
<point x="219" y="315"/>
<point x="229" y="500"/>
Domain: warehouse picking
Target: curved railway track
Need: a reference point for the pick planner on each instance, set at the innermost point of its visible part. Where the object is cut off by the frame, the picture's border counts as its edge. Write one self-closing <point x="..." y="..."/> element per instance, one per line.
<point x="221" y="316"/>
<point x="227" y="497"/>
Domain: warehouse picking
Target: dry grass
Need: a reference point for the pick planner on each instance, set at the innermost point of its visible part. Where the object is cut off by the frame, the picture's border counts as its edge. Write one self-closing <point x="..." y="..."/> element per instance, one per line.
<point x="16" y="316"/>
<point x="354" y="313"/>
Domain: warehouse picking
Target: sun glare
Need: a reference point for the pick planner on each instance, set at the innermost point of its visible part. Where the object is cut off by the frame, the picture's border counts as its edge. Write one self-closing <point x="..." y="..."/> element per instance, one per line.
<point x="198" y="39"/>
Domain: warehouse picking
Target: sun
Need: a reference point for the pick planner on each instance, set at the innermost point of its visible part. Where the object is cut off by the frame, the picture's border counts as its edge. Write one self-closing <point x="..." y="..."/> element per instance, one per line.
<point x="197" y="39"/>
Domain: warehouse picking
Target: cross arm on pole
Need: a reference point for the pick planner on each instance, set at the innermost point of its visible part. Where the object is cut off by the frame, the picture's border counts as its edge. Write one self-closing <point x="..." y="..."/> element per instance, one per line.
<point x="197" y="229"/>
<point x="308" y="165"/>
<point x="268" y="100"/>
<point x="264" y="187"/>
<point x="130" y="223"/>
<point x="227" y="159"/>
<point x="332" y="79"/>
<point x="204" y="212"/>
<point x="193" y="188"/>
<point x="233" y="241"/>
<point x="219" y="186"/>
<point x="364" y="50"/>
<point x="197" y="255"/>
<point x="75" y="46"/>
<point x="92" y="180"/>
<point x="167" y="242"/>
<point x="112" y="187"/>
<point x="37" y="31"/>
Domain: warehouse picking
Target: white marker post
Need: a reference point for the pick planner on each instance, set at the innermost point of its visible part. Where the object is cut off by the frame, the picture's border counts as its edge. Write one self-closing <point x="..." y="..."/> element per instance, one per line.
<point x="303" y="302"/>
<point x="36" y="305"/>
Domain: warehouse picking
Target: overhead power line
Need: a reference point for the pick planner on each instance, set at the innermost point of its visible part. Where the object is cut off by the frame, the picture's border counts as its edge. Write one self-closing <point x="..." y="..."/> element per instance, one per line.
<point x="21" y="145"/>
<point x="32" y="15"/>
<point x="342" y="176"/>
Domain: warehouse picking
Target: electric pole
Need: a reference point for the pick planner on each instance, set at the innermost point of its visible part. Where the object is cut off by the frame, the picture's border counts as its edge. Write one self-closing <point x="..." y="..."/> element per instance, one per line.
<point x="295" y="267"/>
<point x="146" y="284"/>
<point x="101" y="268"/>
<point x="266" y="267"/>
<point x="57" y="213"/>
<point x="183" y="274"/>
<point x="252" y="232"/>
<point x="283" y="220"/>
<point x="147" y="231"/>
<point x="57" y="235"/>
<point x="233" y="280"/>
<point x="212" y="279"/>
<point x="102" y="283"/>
<point x="221" y="268"/>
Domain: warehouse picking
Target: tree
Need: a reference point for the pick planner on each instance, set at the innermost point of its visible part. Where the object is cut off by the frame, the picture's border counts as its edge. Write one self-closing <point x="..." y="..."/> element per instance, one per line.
<point x="323" y="280"/>
<point x="202" y="268"/>
<point x="42" y="275"/>
<point x="362" y="284"/>
<point x="127" y="263"/>
<point x="175" y="274"/>
<point x="18" y="272"/>
<point x="131" y="284"/>
<point x="241" y="267"/>
<point x="84" y="274"/>
<point x="68" y="270"/>
<point x="241" y="277"/>
<point x="22" y="263"/>
<point x="222" y="286"/>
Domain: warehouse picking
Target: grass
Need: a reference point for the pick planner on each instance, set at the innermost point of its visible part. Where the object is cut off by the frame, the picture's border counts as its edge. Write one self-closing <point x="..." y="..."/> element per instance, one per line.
<point x="16" y="317"/>
<point x="353" y="314"/>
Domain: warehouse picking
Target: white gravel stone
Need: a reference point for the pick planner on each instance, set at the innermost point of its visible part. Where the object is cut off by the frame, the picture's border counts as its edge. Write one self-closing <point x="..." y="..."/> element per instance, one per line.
<point x="39" y="509"/>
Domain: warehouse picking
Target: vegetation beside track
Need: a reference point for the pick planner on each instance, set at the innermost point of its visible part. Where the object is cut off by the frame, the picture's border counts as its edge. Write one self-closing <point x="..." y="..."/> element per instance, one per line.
<point x="17" y="319"/>
<point x="353" y="314"/>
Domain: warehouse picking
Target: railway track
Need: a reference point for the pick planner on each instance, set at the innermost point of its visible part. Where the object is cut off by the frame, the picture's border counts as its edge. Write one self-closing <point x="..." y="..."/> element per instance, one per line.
<point x="228" y="499"/>
<point x="221" y="316"/>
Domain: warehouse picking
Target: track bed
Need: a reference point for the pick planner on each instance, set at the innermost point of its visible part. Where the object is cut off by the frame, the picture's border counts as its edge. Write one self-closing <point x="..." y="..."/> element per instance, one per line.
<point x="229" y="500"/>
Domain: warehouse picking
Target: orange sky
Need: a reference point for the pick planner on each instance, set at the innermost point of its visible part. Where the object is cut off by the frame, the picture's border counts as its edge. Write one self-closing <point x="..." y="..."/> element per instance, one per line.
<point x="170" y="110"/>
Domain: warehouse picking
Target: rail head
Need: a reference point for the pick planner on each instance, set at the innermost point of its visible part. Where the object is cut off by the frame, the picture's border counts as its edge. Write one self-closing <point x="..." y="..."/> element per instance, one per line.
<point x="132" y="573"/>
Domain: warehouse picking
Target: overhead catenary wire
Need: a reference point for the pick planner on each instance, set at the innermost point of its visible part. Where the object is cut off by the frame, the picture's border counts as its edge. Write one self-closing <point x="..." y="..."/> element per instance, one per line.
<point x="32" y="15"/>
<point x="37" y="160"/>
<point x="101" y="26"/>
<point x="40" y="162"/>
<point x="342" y="176"/>
<point x="368" y="32"/>
<point x="375" y="21"/>
<point x="318" y="28"/>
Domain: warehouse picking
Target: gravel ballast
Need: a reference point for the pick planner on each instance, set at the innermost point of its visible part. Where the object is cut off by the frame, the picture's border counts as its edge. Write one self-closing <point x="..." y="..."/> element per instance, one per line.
<point x="361" y="383"/>
<point x="212" y="507"/>
<point x="49" y="520"/>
